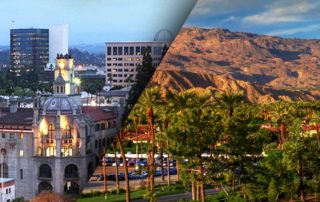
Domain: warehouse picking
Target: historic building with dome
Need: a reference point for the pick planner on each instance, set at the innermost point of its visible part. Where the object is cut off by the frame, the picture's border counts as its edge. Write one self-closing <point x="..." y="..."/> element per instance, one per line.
<point x="56" y="145"/>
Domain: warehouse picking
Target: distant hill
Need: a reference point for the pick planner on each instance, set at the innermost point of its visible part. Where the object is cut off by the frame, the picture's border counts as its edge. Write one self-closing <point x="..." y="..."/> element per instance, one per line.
<point x="91" y="48"/>
<point x="266" y="68"/>
<point x="84" y="57"/>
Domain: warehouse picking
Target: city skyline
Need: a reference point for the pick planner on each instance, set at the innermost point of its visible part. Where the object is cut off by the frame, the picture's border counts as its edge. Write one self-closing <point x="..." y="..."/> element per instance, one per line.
<point x="284" y="18"/>
<point x="113" y="20"/>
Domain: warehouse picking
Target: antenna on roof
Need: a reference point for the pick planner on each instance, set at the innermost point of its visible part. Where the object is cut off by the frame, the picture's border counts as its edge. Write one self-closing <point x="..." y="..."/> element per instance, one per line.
<point x="13" y="24"/>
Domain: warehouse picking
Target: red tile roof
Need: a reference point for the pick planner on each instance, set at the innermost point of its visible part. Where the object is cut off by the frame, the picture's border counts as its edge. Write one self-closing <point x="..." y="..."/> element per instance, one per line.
<point x="99" y="113"/>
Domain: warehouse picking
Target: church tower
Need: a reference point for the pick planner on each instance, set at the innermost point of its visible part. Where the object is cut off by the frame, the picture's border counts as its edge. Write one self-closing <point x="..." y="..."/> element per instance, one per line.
<point x="65" y="69"/>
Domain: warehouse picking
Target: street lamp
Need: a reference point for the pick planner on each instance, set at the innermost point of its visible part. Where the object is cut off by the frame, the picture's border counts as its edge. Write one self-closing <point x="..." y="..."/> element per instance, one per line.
<point x="104" y="164"/>
<point x="2" y="153"/>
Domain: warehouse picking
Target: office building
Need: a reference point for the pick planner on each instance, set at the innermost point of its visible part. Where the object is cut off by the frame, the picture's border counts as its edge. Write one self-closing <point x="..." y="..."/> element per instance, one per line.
<point x="58" y="41"/>
<point x="123" y="58"/>
<point x="29" y="50"/>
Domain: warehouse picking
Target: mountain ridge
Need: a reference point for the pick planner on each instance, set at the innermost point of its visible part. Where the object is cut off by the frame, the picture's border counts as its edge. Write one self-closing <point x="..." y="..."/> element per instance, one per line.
<point x="260" y="65"/>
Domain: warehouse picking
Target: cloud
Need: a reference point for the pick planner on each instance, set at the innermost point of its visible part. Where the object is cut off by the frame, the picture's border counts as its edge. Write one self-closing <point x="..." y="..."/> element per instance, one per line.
<point x="288" y="32"/>
<point x="285" y="12"/>
<point x="216" y="7"/>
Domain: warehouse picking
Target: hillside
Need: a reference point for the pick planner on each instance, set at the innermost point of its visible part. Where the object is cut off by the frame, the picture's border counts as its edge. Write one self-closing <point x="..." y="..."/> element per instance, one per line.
<point x="266" y="68"/>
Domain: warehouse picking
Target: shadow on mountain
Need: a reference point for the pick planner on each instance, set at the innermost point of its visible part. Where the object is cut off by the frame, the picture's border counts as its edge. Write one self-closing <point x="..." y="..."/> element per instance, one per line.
<point x="285" y="55"/>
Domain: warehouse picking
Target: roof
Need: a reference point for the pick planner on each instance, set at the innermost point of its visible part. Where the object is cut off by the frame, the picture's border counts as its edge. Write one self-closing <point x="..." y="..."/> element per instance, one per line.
<point x="115" y="93"/>
<point x="24" y="116"/>
<point x="97" y="114"/>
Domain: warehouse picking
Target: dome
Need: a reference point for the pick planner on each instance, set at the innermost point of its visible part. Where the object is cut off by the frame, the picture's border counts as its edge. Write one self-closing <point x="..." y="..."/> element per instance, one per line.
<point x="60" y="104"/>
<point x="164" y="35"/>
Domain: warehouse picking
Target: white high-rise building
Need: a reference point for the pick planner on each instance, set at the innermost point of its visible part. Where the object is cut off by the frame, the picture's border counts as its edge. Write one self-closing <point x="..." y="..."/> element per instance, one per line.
<point x="58" y="41"/>
<point x="123" y="58"/>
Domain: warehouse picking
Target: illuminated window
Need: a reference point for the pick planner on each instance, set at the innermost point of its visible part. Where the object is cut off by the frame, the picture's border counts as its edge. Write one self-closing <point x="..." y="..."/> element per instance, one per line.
<point x="51" y="131"/>
<point x="21" y="153"/>
<point x="67" y="132"/>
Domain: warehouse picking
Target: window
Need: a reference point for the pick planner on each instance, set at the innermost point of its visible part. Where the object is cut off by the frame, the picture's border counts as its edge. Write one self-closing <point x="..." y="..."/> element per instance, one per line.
<point x="67" y="132"/>
<point x="3" y="151"/>
<point x="126" y="50"/>
<point x="21" y="153"/>
<point x="21" y="135"/>
<point x="51" y="131"/>
<point x="21" y="174"/>
<point x="138" y="50"/>
<point x="12" y="135"/>
<point x="109" y="51"/>
<point x="3" y="135"/>
<point x="120" y="52"/>
<point x="5" y="170"/>
<point x="131" y="50"/>
<point x="71" y="171"/>
<point x="45" y="171"/>
<point x="96" y="144"/>
<point x="115" y="50"/>
<point x="103" y="126"/>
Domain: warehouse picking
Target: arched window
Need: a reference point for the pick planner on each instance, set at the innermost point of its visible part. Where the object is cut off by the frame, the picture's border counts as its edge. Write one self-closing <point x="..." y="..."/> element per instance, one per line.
<point x="51" y="131"/>
<point x="67" y="132"/>
<point x="71" y="172"/>
<point x="4" y="170"/>
<point x="45" y="171"/>
<point x="44" y="187"/>
<point x="3" y="151"/>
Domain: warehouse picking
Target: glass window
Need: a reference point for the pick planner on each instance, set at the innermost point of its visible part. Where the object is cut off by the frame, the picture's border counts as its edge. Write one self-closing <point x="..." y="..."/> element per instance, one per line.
<point x="138" y="50"/>
<point x="109" y="51"/>
<point x="115" y="51"/>
<point x="120" y="52"/>
<point x="131" y="50"/>
<point x="126" y="50"/>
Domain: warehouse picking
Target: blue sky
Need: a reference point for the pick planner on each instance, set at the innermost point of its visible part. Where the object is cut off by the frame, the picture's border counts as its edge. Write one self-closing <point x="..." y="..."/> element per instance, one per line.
<point x="96" y="21"/>
<point x="285" y="18"/>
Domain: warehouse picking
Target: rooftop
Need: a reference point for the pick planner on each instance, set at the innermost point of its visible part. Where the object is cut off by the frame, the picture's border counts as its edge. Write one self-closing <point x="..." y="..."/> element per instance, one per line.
<point x="24" y="116"/>
<point x="97" y="114"/>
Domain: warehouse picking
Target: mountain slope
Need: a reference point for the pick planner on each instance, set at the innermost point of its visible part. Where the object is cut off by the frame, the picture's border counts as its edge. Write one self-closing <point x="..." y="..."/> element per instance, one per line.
<point x="266" y="68"/>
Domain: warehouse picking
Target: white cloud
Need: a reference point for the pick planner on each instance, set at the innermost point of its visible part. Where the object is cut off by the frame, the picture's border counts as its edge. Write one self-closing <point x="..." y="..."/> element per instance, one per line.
<point x="214" y="7"/>
<point x="288" y="32"/>
<point x="284" y="12"/>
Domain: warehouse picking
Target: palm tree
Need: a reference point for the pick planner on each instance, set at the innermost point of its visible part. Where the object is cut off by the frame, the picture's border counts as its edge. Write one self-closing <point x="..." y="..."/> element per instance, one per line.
<point x="227" y="102"/>
<point x="148" y="104"/>
<point x="125" y="167"/>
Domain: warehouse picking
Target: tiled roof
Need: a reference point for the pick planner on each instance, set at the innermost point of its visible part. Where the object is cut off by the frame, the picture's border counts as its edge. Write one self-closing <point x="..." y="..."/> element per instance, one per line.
<point x="24" y="116"/>
<point x="97" y="114"/>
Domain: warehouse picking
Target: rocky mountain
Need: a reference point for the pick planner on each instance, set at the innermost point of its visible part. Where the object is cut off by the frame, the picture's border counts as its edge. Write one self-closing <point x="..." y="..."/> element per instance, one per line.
<point x="266" y="68"/>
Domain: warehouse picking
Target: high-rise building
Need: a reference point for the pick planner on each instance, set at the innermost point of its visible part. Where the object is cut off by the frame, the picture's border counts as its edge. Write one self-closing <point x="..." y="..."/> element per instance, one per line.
<point x="123" y="58"/>
<point x="29" y="49"/>
<point x="58" y="41"/>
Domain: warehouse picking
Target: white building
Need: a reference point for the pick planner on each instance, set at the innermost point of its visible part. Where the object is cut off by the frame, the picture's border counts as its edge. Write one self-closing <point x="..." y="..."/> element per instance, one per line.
<point x="7" y="189"/>
<point x="123" y="58"/>
<point x="58" y="41"/>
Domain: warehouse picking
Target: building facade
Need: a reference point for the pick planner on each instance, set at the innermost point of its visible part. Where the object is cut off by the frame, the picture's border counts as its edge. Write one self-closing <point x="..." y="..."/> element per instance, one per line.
<point x="56" y="145"/>
<point x="123" y="58"/>
<point x="29" y="49"/>
<point x="58" y="41"/>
